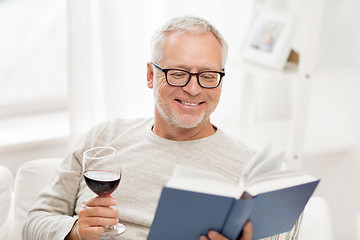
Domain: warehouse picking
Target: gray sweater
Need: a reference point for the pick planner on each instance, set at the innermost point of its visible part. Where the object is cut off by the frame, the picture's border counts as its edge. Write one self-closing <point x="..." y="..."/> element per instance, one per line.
<point x="148" y="162"/>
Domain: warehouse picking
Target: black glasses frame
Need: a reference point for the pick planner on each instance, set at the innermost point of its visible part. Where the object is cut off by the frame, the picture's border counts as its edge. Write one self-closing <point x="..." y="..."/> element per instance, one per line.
<point x="222" y="74"/>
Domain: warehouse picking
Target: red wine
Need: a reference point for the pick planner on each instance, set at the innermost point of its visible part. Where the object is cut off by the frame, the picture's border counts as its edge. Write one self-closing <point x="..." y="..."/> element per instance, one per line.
<point x="103" y="183"/>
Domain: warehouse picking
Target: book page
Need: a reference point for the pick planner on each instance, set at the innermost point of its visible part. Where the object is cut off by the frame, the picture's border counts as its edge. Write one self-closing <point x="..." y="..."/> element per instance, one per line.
<point x="266" y="166"/>
<point x="273" y="175"/>
<point x="196" y="180"/>
<point x="272" y="183"/>
<point x="254" y="162"/>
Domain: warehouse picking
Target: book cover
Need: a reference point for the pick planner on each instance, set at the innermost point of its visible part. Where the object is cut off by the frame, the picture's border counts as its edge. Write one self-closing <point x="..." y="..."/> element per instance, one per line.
<point x="196" y="201"/>
<point x="187" y="215"/>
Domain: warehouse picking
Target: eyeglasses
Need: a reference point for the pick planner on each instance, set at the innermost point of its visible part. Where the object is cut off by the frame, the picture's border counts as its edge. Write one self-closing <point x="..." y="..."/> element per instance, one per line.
<point x="180" y="78"/>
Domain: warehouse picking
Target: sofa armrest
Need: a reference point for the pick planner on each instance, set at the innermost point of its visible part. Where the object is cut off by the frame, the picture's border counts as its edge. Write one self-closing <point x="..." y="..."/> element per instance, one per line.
<point x="30" y="179"/>
<point x="6" y="183"/>
<point x="316" y="222"/>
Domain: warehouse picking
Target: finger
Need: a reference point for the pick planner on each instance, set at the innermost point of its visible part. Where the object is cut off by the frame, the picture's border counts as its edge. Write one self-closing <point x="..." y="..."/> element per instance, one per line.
<point x="203" y="237"/>
<point x="87" y="232"/>
<point x="247" y="231"/>
<point x="99" y="212"/>
<point x="100" y="201"/>
<point x="101" y="221"/>
<point x="213" y="235"/>
<point x="92" y="225"/>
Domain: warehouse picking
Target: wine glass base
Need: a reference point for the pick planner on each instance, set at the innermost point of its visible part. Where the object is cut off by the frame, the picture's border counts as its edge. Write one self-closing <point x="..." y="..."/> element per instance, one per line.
<point x="112" y="231"/>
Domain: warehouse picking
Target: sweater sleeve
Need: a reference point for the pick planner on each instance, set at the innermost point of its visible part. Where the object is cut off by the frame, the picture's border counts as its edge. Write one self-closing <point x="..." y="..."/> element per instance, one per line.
<point x="54" y="213"/>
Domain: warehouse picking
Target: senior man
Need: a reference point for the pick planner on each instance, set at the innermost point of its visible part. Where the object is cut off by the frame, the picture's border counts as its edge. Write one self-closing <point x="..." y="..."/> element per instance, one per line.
<point x="186" y="75"/>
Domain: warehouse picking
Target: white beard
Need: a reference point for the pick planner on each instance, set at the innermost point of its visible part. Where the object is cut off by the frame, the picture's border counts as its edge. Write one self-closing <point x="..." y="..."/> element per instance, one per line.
<point x="173" y="118"/>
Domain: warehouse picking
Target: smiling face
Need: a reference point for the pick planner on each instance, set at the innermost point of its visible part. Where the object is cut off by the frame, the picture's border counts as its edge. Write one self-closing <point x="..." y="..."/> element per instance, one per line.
<point x="188" y="108"/>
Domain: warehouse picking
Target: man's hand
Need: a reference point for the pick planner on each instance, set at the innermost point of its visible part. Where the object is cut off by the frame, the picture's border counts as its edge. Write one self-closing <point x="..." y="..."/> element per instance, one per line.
<point x="95" y="214"/>
<point x="246" y="235"/>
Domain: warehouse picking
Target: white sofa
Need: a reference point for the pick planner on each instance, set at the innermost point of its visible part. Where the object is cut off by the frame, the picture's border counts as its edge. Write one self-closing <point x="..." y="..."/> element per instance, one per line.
<point x="17" y="195"/>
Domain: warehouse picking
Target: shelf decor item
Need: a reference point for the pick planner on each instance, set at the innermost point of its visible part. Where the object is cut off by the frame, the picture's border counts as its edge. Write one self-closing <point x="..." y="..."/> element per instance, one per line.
<point x="269" y="38"/>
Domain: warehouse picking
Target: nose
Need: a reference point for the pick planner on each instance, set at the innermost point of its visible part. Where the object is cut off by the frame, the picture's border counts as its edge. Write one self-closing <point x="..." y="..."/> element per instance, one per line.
<point x="193" y="87"/>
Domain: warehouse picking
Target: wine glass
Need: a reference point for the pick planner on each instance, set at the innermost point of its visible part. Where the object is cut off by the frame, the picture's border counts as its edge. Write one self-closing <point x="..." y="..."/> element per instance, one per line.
<point x="102" y="173"/>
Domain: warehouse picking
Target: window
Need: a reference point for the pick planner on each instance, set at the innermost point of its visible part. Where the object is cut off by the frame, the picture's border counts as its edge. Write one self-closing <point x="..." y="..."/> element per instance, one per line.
<point x="33" y="68"/>
<point x="33" y="72"/>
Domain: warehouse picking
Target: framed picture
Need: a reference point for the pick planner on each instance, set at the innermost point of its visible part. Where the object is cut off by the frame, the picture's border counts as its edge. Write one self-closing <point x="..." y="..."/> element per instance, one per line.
<point x="268" y="41"/>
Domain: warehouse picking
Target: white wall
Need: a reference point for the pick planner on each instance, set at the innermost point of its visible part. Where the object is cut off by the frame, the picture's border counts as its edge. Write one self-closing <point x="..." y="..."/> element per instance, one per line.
<point x="340" y="36"/>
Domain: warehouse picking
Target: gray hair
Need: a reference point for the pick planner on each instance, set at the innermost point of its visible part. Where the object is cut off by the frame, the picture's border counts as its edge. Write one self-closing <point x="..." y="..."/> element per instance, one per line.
<point x="185" y="24"/>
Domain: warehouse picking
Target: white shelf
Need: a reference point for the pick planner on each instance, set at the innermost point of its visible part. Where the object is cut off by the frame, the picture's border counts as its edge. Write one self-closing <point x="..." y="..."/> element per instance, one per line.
<point x="318" y="141"/>
<point x="321" y="141"/>
<point x="328" y="129"/>
<point x="290" y="70"/>
<point x="330" y="123"/>
<point x="259" y="135"/>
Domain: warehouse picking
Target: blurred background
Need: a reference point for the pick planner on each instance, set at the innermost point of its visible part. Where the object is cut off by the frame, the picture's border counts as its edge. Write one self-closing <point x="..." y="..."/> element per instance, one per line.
<point x="67" y="65"/>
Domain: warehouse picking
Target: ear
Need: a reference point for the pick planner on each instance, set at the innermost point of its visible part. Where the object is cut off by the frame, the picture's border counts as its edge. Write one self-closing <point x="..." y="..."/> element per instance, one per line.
<point x="150" y="75"/>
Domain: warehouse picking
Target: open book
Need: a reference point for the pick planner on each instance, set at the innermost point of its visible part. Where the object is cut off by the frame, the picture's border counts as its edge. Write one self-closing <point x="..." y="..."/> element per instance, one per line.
<point x="195" y="201"/>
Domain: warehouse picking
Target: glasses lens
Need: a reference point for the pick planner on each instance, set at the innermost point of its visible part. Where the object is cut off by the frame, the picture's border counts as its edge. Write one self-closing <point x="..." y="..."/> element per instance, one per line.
<point x="177" y="77"/>
<point x="209" y="79"/>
